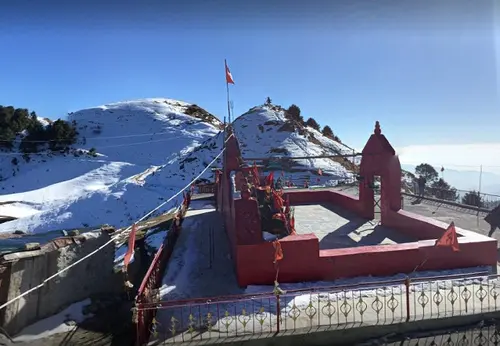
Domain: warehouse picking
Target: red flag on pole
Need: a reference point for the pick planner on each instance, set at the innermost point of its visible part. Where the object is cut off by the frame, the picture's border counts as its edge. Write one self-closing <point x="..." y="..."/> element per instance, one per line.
<point x="270" y="179"/>
<point x="229" y="76"/>
<point x="449" y="238"/>
<point x="131" y="245"/>
<point x="277" y="200"/>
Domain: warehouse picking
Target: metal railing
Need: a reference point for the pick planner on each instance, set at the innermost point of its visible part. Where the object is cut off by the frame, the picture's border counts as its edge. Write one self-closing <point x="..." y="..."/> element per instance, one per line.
<point x="301" y="311"/>
<point x="148" y="290"/>
<point x="470" y="198"/>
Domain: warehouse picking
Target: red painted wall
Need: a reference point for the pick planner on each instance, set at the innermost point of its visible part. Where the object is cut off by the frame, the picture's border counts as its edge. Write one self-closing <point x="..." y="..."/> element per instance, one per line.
<point x="303" y="261"/>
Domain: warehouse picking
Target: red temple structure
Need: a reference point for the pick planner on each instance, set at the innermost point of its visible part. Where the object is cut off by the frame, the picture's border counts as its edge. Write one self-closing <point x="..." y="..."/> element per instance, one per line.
<point x="304" y="261"/>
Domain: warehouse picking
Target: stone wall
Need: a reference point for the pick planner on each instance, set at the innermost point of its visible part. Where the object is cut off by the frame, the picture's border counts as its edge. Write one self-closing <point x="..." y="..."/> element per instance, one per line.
<point x="24" y="270"/>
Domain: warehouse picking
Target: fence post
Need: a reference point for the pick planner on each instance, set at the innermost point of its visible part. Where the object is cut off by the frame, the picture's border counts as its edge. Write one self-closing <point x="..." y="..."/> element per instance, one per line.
<point x="278" y="312"/>
<point x="407" y="285"/>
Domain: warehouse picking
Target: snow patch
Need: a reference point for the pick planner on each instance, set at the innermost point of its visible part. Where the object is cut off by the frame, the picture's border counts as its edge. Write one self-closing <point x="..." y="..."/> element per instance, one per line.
<point x="55" y="324"/>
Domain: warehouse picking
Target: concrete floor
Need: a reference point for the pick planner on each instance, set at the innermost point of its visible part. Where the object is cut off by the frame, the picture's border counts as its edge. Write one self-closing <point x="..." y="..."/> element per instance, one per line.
<point x="337" y="228"/>
<point x="463" y="217"/>
<point x="473" y="336"/>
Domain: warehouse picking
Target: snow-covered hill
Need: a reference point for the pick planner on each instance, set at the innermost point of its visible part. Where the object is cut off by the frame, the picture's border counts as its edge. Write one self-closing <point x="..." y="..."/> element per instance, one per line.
<point x="145" y="151"/>
<point x="131" y="139"/>
<point x="265" y="132"/>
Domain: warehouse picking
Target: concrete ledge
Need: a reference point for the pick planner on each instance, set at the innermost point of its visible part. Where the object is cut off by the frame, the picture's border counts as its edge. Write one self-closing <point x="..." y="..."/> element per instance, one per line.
<point x="348" y="334"/>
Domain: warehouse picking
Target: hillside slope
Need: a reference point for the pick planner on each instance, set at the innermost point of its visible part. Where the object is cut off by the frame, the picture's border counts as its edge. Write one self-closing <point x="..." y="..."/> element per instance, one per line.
<point x="131" y="139"/>
<point x="265" y="132"/>
<point x="145" y="151"/>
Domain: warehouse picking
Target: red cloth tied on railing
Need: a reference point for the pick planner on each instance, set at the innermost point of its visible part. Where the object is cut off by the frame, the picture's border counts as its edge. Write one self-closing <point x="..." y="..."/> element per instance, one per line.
<point x="278" y="251"/>
<point x="292" y="225"/>
<point x="277" y="201"/>
<point x="131" y="247"/>
<point x="279" y="216"/>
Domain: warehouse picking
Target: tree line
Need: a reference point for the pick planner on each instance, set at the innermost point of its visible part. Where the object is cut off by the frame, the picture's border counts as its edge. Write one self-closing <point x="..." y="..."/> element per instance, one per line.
<point x="293" y="113"/>
<point x="20" y="123"/>
<point x="439" y="188"/>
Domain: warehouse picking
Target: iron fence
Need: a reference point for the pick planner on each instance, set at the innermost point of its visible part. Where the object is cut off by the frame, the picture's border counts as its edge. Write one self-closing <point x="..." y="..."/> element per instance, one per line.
<point x="470" y="198"/>
<point x="148" y="292"/>
<point x="303" y="311"/>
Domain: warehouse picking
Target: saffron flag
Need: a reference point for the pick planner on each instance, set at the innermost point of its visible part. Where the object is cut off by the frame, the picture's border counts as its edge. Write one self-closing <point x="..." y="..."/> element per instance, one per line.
<point x="229" y="76"/>
<point x="131" y="245"/>
<point x="449" y="238"/>
<point x="278" y="252"/>
<point x="278" y="201"/>
<point x="270" y="179"/>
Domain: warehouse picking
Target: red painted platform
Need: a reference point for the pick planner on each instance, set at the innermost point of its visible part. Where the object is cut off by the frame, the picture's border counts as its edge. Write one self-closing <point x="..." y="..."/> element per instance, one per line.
<point x="304" y="261"/>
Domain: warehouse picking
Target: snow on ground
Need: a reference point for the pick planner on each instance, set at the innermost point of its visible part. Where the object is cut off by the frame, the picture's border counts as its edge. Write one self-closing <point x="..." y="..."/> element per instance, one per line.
<point x="191" y="272"/>
<point x="134" y="141"/>
<point x="264" y="126"/>
<point x="146" y="151"/>
<point x="55" y="324"/>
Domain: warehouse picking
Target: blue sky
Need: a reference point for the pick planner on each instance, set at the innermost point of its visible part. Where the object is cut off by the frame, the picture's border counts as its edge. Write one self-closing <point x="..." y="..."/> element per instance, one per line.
<point x="427" y="71"/>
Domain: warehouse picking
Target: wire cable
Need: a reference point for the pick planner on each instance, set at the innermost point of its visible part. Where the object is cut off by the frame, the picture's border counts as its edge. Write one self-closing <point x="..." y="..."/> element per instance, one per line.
<point x="115" y="237"/>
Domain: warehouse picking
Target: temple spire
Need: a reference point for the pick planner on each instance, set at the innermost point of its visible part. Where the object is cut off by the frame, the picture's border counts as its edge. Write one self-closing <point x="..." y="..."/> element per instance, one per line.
<point x="377" y="130"/>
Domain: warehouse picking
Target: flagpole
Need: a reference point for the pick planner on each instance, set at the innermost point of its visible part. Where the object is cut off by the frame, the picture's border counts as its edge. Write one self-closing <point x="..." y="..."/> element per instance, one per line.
<point x="227" y="91"/>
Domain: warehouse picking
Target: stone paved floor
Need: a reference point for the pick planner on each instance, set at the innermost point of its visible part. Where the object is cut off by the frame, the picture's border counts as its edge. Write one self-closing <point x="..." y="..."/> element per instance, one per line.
<point x="336" y="228"/>
<point x="463" y="217"/>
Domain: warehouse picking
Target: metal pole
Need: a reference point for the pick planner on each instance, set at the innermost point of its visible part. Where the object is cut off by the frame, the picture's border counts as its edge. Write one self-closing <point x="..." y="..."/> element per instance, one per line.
<point x="210" y="246"/>
<point x="213" y="245"/>
<point x="232" y="109"/>
<point x="221" y="178"/>
<point x="227" y="91"/>
<point x="479" y="194"/>
<point x="480" y="177"/>
<point x="228" y="104"/>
